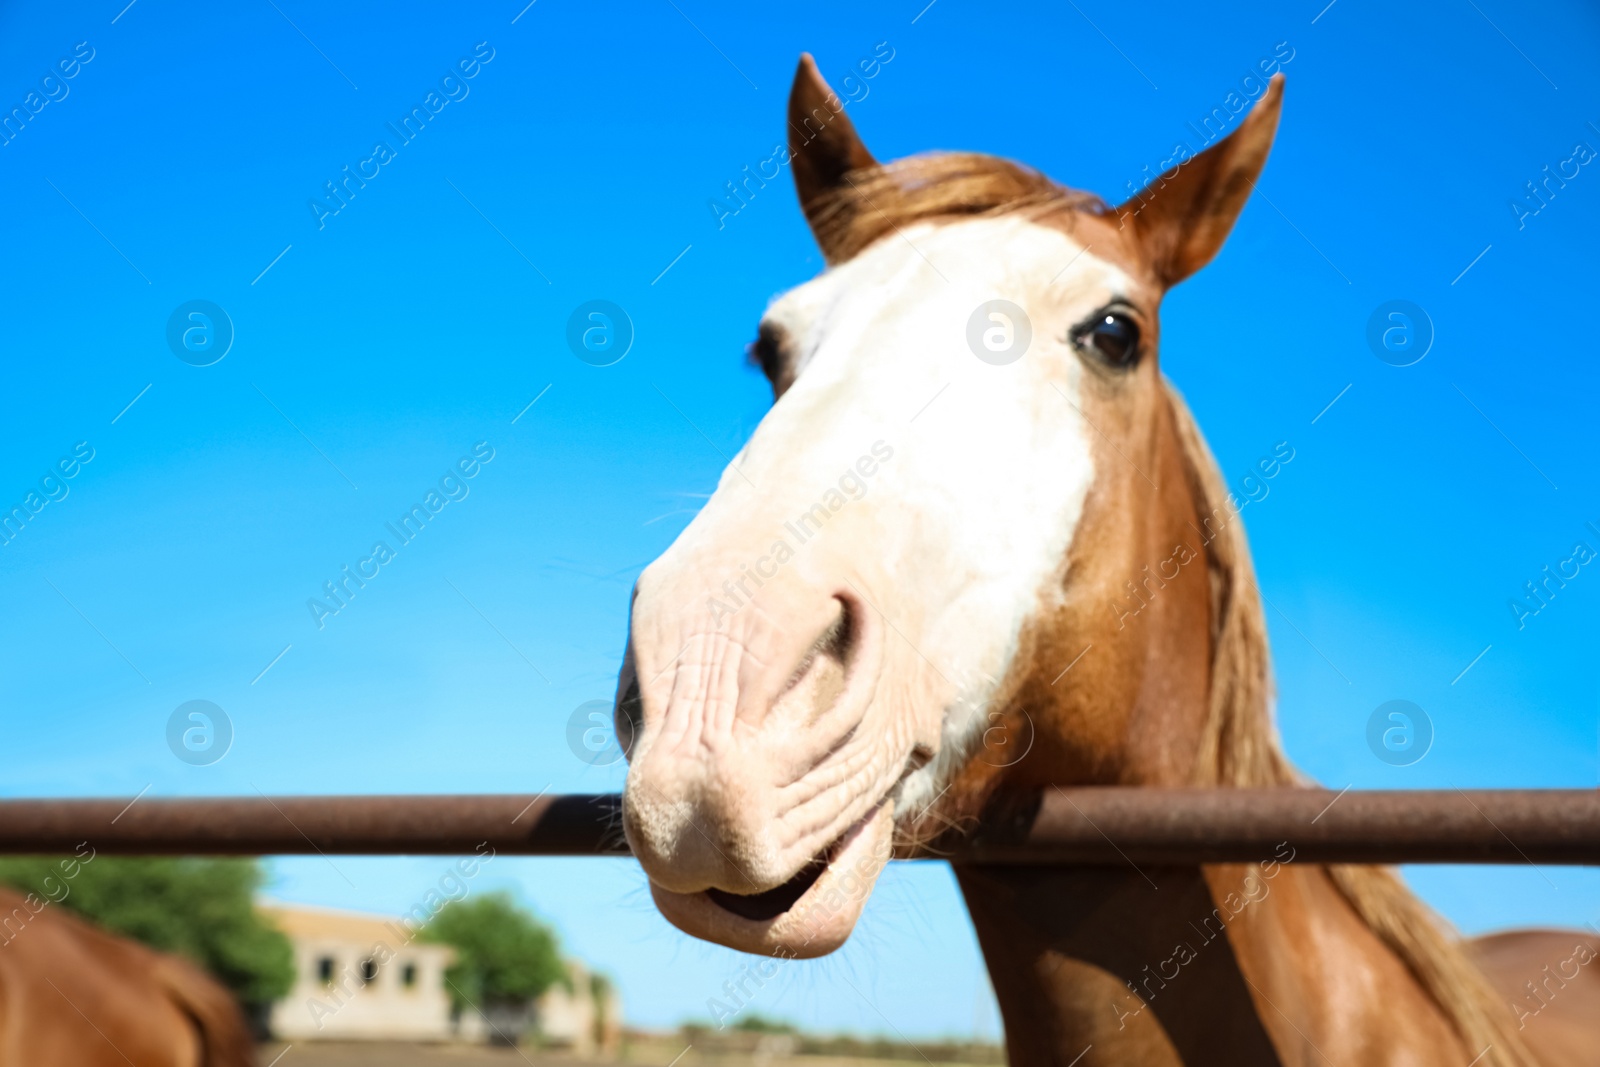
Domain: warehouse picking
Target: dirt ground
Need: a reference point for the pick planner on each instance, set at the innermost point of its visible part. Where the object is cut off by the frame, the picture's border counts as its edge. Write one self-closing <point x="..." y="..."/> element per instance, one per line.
<point x="650" y="1054"/>
<point x="397" y="1054"/>
<point x="388" y="1054"/>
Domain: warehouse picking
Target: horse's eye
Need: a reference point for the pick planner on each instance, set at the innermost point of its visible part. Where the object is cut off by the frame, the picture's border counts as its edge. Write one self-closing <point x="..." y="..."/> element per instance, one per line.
<point x="766" y="351"/>
<point x="1113" y="338"/>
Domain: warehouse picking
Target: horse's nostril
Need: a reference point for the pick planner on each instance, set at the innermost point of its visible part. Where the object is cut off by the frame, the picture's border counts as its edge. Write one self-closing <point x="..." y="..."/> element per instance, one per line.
<point x="819" y="682"/>
<point x="629" y="717"/>
<point x="833" y="650"/>
<point x="839" y="640"/>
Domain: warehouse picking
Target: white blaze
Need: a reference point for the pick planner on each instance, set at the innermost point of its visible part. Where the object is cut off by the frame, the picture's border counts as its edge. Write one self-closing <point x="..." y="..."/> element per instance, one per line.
<point x="968" y="526"/>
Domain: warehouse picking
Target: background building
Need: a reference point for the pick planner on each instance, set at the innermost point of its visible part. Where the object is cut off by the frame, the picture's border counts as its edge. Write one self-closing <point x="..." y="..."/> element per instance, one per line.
<point x="360" y="977"/>
<point x="356" y="977"/>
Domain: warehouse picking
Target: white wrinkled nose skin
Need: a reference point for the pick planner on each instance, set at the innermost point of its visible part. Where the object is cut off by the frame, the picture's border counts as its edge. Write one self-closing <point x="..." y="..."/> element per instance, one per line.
<point x="855" y="587"/>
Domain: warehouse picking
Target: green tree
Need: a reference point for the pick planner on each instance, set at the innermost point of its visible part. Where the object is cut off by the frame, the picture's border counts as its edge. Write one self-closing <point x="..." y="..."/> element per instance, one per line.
<point x="504" y="956"/>
<point x="200" y="908"/>
<point x="762" y="1025"/>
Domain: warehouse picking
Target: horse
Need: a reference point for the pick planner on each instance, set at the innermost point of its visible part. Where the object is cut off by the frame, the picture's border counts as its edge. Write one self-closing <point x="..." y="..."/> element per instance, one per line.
<point x="71" y="993"/>
<point x="977" y="510"/>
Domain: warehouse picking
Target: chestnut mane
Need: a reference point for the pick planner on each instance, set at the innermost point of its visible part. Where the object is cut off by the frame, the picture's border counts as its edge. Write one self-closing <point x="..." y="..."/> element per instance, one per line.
<point x="1240" y="747"/>
<point x="876" y="201"/>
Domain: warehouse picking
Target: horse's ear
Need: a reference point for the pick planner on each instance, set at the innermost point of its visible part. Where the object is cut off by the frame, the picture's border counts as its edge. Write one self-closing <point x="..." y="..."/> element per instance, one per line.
<point x="1182" y="217"/>
<point x="823" y="146"/>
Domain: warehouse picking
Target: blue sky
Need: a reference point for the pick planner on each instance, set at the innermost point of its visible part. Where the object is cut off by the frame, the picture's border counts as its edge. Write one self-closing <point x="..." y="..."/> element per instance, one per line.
<point x="373" y="348"/>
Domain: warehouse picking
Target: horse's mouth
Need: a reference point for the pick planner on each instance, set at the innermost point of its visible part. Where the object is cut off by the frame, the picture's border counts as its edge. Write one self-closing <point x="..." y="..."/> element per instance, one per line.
<point x="809" y="915"/>
<point x="760" y="907"/>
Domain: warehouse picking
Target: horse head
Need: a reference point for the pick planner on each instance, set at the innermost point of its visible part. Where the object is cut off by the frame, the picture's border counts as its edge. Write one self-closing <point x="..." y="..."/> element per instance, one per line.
<point x="952" y="563"/>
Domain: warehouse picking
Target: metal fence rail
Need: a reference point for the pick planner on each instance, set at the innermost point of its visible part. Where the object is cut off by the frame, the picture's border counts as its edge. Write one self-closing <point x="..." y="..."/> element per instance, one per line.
<point x="1101" y="825"/>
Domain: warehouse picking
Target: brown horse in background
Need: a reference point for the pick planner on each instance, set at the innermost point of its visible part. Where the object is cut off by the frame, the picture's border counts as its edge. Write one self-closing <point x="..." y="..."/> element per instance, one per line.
<point x="978" y="509"/>
<point x="72" y="995"/>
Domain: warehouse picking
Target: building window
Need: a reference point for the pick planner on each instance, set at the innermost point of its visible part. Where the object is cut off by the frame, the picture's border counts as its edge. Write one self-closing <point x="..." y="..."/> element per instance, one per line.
<point x="325" y="970"/>
<point x="408" y="976"/>
<point x="368" y="970"/>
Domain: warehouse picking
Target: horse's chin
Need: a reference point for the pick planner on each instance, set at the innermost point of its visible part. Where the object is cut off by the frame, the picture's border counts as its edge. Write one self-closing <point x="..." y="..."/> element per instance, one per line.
<point x="810" y="915"/>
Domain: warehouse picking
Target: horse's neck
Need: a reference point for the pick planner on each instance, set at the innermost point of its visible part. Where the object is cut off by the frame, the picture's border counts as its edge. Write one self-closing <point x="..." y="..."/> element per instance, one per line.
<point x="1257" y="965"/>
<point x="1066" y="947"/>
<point x="1243" y="964"/>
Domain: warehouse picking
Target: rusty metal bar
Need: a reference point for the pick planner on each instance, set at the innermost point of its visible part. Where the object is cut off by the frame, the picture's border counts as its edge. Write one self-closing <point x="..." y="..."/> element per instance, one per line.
<point x="1189" y="826"/>
<point x="572" y="825"/>
<point x="1101" y="825"/>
